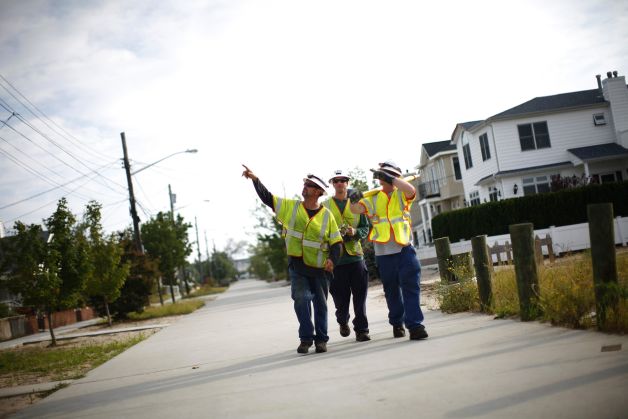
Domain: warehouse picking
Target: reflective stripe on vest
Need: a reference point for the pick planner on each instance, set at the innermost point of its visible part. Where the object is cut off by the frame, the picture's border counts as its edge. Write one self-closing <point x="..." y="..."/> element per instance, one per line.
<point x="398" y="224"/>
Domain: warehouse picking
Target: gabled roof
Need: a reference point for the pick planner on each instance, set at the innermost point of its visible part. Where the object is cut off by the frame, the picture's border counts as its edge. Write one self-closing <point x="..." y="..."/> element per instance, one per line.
<point x="437" y="146"/>
<point x="555" y="102"/>
<point x="599" y="152"/>
<point x="464" y="125"/>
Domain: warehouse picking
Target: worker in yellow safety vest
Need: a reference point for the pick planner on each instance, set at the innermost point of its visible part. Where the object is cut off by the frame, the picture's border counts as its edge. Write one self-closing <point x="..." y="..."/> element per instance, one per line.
<point x="350" y="274"/>
<point x="389" y="213"/>
<point x="313" y="244"/>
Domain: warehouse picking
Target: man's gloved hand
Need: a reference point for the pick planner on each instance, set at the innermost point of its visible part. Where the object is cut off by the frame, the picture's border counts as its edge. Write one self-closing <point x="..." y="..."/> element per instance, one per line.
<point x="380" y="174"/>
<point x="355" y="195"/>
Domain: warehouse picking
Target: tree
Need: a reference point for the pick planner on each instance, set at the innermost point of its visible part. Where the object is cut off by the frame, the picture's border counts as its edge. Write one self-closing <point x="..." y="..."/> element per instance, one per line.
<point x="166" y="240"/>
<point x="74" y="257"/>
<point x="108" y="274"/>
<point x="259" y="266"/>
<point x="222" y="267"/>
<point x="270" y="243"/>
<point x="34" y="273"/>
<point x="135" y="292"/>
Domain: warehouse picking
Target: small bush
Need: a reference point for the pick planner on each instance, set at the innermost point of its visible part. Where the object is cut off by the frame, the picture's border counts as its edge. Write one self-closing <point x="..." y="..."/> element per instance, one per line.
<point x="5" y="311"/>
<point x="206" y="289"/>
<point x="458" y="296"/>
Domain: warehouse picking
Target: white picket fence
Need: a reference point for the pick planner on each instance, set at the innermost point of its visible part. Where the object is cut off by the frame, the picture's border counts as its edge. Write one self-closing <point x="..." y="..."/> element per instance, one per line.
<point x="565" y="239"/>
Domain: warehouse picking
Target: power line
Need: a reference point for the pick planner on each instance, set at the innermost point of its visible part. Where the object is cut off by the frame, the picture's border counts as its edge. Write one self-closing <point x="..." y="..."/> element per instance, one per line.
<point x="77" y="141"/>
<point x="51" y="189"/>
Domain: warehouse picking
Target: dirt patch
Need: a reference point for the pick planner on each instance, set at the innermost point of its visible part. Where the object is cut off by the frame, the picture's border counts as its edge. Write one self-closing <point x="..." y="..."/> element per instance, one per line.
<point x="10" y="405"/>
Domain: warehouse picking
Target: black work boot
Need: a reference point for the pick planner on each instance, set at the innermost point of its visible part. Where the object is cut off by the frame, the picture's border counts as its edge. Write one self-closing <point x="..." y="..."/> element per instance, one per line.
<point x="344" y="330"/>
<point x="362" y="336"/>
<point x="304" y="347"/>
<point x="418" y="333"/>
<point x="321" y="347"/>
<point x="399" y="331"/>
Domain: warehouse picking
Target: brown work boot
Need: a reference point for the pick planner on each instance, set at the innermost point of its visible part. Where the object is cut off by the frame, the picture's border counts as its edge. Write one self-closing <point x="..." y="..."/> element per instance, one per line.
<point x="362" y="336"/>
<point x="418" y="333"/>
<point x="344" y="330"/>
<point x="399" y="331"/>
<point x="304" y="347"/>
<point x="321" y="347"/>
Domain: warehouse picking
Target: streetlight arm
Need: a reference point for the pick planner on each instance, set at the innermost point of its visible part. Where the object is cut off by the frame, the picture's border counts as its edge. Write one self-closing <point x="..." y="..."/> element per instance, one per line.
<point x="162" y="159"/>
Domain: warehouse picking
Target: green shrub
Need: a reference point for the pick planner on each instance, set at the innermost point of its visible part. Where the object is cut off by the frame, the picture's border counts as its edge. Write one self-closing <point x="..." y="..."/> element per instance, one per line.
<point x="184" y="307"/>
<point x="505" y="294"/>
<point x="560" y="208"/>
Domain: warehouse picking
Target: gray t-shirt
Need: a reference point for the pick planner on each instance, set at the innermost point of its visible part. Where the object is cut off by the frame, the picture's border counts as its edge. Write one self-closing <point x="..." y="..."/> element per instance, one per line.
<point x="390" y="248"/>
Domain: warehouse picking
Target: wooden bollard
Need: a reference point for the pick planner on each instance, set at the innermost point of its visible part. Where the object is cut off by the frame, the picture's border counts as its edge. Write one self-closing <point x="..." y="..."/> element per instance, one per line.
<point x="604" y="259"/>
<point x="538" y="251"/>
<point x="482" y="263"/>
<point x="443" y="254"/>
<point x="522" y="236"/>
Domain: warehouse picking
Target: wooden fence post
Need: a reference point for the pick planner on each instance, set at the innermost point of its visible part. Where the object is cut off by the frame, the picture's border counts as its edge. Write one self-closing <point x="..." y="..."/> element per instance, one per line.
<point x="508" y="248"/>
<point x="443" y="254"/>
<point x="604" y="259"/>
<point x="481" y="261"/>
<point x="550" y="247"/>
<point x="522" y="236"/>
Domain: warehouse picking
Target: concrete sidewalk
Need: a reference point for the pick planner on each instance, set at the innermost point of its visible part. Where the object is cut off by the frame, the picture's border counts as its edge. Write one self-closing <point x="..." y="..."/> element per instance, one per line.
<point x="237" y="357"/>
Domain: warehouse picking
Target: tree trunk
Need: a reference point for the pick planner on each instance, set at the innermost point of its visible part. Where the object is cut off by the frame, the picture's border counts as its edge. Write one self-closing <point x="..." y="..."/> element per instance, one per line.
<point x="161" y="298"/>
<point x="52" y="333"/>
<point x="172" y="290"/>
<point x="107" y="310"/>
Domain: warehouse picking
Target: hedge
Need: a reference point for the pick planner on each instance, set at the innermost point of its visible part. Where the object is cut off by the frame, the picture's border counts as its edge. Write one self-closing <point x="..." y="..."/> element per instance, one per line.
<point x="565" y="207"/>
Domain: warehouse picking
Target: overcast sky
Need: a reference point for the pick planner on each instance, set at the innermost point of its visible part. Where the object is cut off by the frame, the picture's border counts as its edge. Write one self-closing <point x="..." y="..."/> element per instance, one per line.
<point x="286" y="87"/>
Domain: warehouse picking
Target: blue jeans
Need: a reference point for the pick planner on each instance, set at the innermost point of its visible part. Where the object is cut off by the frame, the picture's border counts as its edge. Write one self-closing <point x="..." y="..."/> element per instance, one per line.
<point x="400" y="274"/>
<point x="306" y="292"/>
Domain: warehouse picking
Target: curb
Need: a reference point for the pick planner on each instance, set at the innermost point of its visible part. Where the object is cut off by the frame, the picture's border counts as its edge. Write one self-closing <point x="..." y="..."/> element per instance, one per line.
<point x="32" y="388"/>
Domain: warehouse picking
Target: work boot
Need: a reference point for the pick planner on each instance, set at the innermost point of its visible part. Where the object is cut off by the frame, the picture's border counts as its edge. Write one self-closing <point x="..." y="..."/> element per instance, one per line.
<point x="418" y="333"/>
<point x="344" y="330"/>
<point x="321" y="347"/>
<point x="304" y="347"/>
<point x="399" y="331"/>
<point x="362" y="336"/>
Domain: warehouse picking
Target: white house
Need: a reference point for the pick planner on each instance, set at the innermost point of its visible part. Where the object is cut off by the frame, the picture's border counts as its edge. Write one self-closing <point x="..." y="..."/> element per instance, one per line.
<point x="440" y="188"/>
<point x="516" y="152"/>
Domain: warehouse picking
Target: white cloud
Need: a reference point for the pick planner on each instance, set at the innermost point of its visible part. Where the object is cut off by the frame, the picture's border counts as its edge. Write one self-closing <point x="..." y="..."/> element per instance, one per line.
<point x="286" y="87"/>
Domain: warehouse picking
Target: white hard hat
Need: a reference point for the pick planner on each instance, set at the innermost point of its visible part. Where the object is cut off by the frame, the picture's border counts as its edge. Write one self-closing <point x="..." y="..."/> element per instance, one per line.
<point x="339" y="174"/>
<point x="316" y="180"/>
<point x="390" y="167"/>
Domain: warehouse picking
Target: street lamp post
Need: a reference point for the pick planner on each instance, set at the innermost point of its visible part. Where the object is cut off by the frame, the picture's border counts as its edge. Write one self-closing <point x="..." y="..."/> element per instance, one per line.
<point x="137" y="239"/>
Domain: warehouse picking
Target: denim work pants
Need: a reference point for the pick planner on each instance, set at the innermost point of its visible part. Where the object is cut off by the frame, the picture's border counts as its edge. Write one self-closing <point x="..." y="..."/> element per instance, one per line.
<point x="401" y="274"/>
<point x="349" y="279"/>
<point x="308" y="292"/>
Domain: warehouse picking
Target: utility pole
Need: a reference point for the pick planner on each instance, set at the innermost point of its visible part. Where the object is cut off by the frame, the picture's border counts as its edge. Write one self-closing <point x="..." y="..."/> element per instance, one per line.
<point x="173" y="198"/>
<point x="209" y="265"/>
<point x="136" y="220"/>
<point x="198" y="250"/>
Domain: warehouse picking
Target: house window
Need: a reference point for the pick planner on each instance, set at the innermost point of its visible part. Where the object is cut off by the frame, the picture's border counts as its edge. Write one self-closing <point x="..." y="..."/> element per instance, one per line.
<point x="535" y="185"/>
<point x="486" y="152"/>
<point x="474" y="198"/>
<point x="534" y="136"/>
<point x="598" y="119"/>
<point x="466" y="152"/>
<point x="457" y="173"/>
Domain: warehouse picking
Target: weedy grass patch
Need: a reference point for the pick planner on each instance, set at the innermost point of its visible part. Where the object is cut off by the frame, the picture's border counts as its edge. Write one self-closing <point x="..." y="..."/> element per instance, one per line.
<point x="566" y="294"/>
<point x="176" y="309"/>
<point x="206" y="290"/>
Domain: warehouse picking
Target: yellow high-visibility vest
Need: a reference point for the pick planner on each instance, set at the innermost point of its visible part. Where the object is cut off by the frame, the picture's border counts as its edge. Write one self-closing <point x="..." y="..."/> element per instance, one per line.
<point x="309" y="238"/>
<point x="389" y="215"/>
<point x="353" y="247"/>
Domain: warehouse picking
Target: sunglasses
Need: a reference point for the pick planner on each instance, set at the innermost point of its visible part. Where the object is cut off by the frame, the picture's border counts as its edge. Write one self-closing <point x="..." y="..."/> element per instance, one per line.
<point x="339" y="180"/>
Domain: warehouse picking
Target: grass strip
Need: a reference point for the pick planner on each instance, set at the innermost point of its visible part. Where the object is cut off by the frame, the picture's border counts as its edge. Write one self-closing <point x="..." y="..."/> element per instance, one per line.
<point x="59" y="363"/>
<point x="176" y="309"/>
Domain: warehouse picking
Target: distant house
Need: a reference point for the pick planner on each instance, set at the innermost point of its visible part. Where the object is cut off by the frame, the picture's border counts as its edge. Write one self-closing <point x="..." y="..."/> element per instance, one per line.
<point x="440" y="188"/>
<point x="516" y="152"/>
